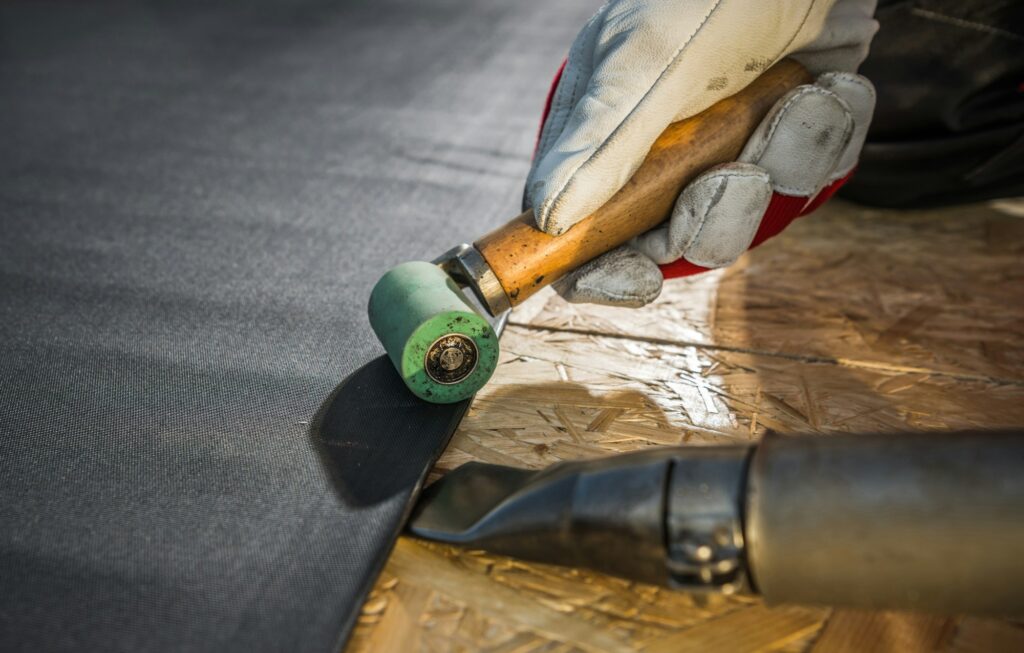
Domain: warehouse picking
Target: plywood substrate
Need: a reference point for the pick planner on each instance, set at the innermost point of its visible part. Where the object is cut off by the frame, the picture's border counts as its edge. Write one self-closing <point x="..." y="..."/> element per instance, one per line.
<point x="853" y="320"/>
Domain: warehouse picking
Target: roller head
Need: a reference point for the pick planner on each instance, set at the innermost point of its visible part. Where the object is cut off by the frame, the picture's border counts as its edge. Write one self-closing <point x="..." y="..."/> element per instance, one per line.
<point x="444" y="350"/>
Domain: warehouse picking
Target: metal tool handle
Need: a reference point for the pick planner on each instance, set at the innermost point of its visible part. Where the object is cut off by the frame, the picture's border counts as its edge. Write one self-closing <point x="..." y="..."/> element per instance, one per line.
<point x="525" y="259"/>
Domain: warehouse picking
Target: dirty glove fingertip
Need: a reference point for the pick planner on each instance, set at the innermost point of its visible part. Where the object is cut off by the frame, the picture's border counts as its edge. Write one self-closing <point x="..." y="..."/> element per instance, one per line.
<point x="622" y="277"/>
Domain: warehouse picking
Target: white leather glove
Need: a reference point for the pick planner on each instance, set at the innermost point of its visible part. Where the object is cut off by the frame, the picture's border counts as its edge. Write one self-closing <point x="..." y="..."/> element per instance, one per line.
<point x="639" y="65"/>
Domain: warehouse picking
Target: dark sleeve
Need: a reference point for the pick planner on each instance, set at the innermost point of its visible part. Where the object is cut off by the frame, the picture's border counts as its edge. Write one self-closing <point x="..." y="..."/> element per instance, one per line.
<point x="949" y="125"/>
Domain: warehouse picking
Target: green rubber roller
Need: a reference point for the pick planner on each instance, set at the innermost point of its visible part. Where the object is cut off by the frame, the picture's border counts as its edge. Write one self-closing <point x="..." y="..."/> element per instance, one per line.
<point x="444" y="350"/>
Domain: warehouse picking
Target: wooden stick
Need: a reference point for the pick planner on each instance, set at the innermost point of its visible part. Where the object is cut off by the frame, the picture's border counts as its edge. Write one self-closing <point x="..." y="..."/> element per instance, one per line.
<point x="525" y="259"/>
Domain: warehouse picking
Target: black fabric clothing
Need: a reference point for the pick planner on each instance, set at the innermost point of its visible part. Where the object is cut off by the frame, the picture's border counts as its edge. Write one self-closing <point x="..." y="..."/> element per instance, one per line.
<point x="195" y="200"/>
<point x="949" y="125"/>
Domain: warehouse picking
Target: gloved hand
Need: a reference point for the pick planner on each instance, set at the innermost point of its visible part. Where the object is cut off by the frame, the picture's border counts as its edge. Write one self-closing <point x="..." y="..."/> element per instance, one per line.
<point x="639" y="65"/>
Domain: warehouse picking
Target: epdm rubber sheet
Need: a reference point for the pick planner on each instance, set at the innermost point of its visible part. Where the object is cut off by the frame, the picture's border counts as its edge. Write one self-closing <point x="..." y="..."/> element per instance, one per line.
<point x="196" y="199"/>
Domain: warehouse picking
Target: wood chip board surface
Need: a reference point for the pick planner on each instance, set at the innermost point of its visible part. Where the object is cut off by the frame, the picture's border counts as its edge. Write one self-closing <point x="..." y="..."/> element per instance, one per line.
<point x="851" y="321"/>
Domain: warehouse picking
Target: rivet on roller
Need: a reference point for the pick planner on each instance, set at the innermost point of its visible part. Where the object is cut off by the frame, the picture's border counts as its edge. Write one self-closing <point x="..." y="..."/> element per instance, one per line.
<point x="450" y="359"/>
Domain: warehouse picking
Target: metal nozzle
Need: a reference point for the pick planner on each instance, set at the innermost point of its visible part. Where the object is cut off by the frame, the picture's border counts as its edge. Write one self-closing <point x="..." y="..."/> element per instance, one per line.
<point x="611" y="515"/>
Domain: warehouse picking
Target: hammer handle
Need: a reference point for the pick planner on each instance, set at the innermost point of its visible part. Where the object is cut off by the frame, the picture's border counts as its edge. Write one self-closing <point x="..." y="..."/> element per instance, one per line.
<point x="525" y="259"/>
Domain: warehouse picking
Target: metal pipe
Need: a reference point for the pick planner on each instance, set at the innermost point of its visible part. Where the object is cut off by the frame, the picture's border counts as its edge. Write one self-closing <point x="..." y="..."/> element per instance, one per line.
<point x="928" y="521"/>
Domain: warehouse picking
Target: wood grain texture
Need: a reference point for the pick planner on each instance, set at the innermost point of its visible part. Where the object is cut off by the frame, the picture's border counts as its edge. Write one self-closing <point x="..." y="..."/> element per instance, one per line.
<point x="525" y="259"/>
<point x="853" y="320"/>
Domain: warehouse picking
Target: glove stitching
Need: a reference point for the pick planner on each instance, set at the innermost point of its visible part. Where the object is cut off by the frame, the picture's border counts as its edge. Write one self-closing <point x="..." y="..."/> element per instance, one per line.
<point x="849" y="137"/>
<point x="856" y="79"/>
<point x="795" y="192"/>
<point x="574" y="53"/>
<point x="842" y="173"/>
<point x="552" y="204"/>
<point x="779" y="114"/>
<point x="550" y="135"/>
<point x="719" y="190"/>
<point x="782" y="51"/>
<point x="594" y="291"/>
<point x="557" y="106"/>
<point x="714" y="202"/>
<point x="777" y="118"/>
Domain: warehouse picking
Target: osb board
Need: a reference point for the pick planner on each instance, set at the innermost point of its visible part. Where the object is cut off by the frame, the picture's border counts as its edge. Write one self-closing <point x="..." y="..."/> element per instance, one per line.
<point x="851" y="321"/>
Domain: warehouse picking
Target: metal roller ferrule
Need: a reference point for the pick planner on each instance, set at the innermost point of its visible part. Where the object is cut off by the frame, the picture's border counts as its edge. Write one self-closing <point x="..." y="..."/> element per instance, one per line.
<point x="465" y="265"/>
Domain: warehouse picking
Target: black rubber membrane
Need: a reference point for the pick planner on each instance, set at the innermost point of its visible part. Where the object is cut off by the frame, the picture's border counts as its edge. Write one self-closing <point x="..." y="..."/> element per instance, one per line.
<point x="195" y="200"/>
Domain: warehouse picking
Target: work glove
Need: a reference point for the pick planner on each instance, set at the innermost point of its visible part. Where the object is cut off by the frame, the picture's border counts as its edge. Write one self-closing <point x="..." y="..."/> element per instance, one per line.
<point x="639" y="65"/>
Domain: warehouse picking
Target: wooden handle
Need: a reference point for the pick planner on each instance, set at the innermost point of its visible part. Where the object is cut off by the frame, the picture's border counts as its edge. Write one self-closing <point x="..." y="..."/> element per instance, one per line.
<point x="525" y="259"/>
